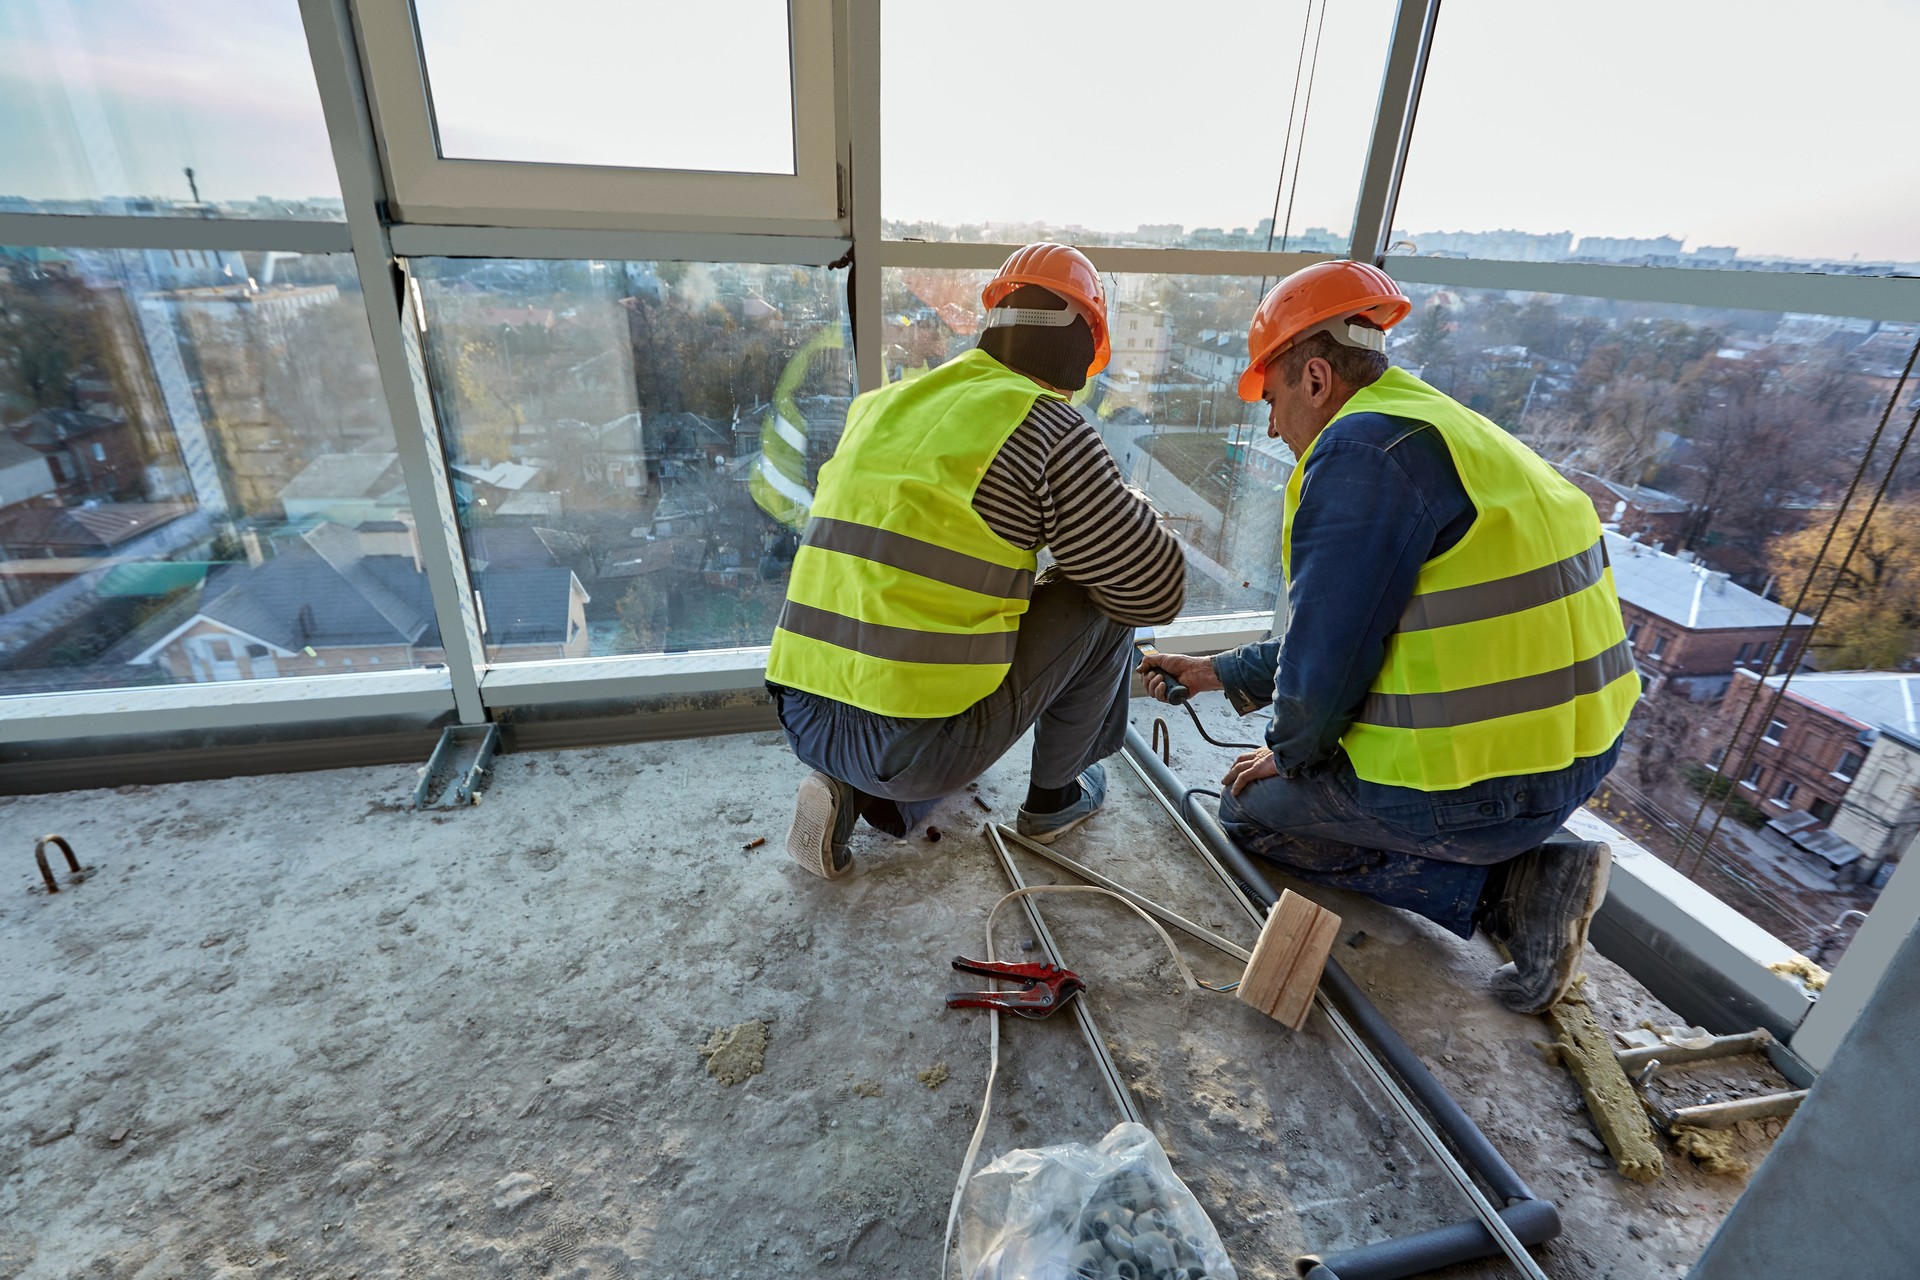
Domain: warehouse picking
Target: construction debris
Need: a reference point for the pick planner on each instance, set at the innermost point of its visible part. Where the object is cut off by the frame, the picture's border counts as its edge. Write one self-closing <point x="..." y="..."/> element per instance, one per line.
<point x="1711" y="1149"/>
<point x="1581" y="1046"/>
<point x="1811" y="975"/>
<point x="737" y="1052"/>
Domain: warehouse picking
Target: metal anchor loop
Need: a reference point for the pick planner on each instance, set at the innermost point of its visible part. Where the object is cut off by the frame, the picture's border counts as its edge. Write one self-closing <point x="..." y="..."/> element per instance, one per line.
<point x="46" y="873"/>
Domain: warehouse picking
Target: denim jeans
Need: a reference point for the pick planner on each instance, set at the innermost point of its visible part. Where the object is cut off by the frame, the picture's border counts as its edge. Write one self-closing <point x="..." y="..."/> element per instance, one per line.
<point x="1068" y="683"/>
<point x="1428" y="853"/>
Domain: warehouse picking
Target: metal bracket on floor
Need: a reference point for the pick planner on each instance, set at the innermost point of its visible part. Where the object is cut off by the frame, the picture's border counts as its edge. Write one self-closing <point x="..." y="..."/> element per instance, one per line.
<point x="461" y="762"/>
<point x="1525" y="1220"/>
<point x="76" y="874"/>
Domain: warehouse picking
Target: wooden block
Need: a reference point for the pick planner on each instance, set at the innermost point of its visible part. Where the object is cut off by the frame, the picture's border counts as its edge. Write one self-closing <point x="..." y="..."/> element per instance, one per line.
<point x="1285" y="969"/>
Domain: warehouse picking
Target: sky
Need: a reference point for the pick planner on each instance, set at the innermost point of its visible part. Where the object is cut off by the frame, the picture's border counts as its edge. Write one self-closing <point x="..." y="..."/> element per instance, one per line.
<point x="1754" y="123"/>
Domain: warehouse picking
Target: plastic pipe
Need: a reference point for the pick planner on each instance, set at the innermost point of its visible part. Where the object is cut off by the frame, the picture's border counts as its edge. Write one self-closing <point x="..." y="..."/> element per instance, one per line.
<point x="1533" y="1221"/>
<point x="1400" y="1254"/>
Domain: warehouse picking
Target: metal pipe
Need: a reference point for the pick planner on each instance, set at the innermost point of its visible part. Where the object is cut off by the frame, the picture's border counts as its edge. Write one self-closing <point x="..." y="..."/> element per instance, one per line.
<point x="1339" y="990"/>
<point x="1533" y="1221"/>
<point x="1225" y="946"/>
<point x="1342" y="1027"/>
<point x="1669" y="1055"/>
<point x="1096" y="1043"/>
<point x="1725" y="1115"/>
<point x="1367" y="1019"/>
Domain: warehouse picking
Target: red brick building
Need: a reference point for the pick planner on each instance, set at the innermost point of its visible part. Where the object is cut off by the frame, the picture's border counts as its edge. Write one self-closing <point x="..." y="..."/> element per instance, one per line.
<point x="1805" y="754"/>
<point x="1691" y="628"/>
<point x="1652" y="517"/>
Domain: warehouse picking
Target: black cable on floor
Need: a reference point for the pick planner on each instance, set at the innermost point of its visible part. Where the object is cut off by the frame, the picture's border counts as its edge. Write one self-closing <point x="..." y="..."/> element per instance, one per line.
<point x="1202" y="731"/>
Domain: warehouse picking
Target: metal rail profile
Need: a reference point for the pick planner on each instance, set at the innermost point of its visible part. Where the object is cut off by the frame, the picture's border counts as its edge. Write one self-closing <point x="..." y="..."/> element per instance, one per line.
<point x="1043" y="938"/>
<point x="458" y="766"/>
<point x="1525" y="1219"/>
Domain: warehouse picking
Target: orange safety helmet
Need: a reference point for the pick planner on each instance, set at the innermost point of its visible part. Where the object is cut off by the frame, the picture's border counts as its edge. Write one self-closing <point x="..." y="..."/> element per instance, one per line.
<point x="1310" y="297"/>
<point x="1060" y="269"/>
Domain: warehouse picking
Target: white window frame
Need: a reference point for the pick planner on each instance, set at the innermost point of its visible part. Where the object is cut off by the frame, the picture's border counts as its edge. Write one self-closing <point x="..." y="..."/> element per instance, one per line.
<point x="1783" y="794"/>
<point x="1769" y="736"/>
<point x="427" y="188"/>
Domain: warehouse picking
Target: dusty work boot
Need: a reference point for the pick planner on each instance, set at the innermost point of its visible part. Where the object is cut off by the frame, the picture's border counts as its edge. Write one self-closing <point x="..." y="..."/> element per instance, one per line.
<point x="823" y="818"/>
<point x="1541" y="916"/>
<point x="1045" y="828"/>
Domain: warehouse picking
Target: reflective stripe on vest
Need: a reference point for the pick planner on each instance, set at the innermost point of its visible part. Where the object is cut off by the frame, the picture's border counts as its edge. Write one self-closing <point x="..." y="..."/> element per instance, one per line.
<point x="902" y="600"/>
<point x="1514" y="697"/>
<point x="777" y="479"/>
<point x="927" y="559"/>
<point x="1510" y="657"/>
<point x="897" y="644"/>
<point x="1451" y="606"/>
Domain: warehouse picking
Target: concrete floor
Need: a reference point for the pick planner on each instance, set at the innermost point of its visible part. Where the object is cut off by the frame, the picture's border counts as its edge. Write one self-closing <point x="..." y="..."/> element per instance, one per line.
<point x="291" y="1029"/>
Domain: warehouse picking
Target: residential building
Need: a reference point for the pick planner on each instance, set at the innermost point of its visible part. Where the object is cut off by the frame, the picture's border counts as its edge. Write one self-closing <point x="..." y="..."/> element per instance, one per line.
<point x="1505" y="245"/>
<point x="1813" y="753"/>
<point x="25" y="473"/>
<point x="1635" y="511"/>
<point x="1692" y="628"/>
<point x="1625" y="248"/>
<point x="1804" y="756"/>
<point x="91" y="456"/>
<point x="337" y="599"/>
<point x="1215" y="356"/>
<point x="1880" y="815"/>
<point x="1142" y="343"/>
<point x="346" y="488"/>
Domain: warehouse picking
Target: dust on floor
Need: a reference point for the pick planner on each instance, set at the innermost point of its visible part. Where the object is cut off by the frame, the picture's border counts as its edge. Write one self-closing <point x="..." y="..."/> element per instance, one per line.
<point x="290" y="1029"/>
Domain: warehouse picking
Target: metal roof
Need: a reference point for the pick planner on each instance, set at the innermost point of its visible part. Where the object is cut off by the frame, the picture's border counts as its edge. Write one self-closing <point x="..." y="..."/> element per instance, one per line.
<point x="1687" y="592"/>
<point x="1878" y="698"/>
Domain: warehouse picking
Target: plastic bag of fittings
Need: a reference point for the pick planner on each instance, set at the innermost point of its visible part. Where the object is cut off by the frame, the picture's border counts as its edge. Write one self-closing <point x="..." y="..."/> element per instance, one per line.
<point x="1115" y="1211"/>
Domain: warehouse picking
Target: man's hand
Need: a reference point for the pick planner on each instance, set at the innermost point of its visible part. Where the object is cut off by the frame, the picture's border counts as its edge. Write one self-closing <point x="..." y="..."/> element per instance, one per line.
<point x="1195" y="673"/>
<point x="1251" y="767"/>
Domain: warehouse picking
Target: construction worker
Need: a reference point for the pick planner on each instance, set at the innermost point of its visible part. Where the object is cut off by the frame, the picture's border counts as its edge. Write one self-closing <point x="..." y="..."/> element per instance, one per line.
<point x="916" y="645"/>
<point x="1454" y="677"/>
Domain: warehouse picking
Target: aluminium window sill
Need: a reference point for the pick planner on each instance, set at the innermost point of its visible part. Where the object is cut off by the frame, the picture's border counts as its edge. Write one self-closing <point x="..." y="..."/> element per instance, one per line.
<point x="561" y="680"/>
<point x="223" y="704"/>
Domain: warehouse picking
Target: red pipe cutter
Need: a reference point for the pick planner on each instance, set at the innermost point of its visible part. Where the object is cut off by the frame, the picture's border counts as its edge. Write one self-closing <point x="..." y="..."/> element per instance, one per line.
<point x="1044" y="987"/>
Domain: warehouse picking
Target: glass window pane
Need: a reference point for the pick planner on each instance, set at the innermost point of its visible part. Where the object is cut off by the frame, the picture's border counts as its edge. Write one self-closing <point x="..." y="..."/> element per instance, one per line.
<point x="629" y="441"/>
<point x="1241" y="125"/>
<point x="1165" y="405"/>
<point x="611" y="82"/>
<point x="1710" y="135"/>
<point x="197" y="473"/>
<point x="128" y="107"/>
<point x="1720" y="442"/>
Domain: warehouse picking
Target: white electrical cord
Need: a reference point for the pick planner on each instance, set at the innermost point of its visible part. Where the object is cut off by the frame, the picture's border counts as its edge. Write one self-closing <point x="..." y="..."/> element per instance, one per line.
<point x="993" y="1034"/>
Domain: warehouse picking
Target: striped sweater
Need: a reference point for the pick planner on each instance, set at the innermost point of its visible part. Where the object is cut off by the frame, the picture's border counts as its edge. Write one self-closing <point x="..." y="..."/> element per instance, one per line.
<point x="1054" y="484"/>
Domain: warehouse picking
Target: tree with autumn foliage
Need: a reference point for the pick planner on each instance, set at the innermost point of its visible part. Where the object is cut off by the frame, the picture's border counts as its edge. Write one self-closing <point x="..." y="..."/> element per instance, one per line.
<point x="1874" y="620"/>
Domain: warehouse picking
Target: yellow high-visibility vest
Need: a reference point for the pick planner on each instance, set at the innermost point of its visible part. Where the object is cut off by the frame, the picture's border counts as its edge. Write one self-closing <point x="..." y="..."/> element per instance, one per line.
<point x="778" y="477"/>
<point x="902" y="600"/>
<point x="1511" y="657"/>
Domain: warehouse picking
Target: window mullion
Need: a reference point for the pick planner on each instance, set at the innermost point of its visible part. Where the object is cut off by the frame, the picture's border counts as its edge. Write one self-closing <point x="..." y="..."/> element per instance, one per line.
<point x="396" y="347"/>
<point x="1393" y="127"/>
<point x="863" y="96"/>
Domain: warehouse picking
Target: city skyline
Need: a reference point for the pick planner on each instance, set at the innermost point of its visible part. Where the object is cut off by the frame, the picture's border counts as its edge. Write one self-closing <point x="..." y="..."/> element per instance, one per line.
<point x="1788" y="160"/>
